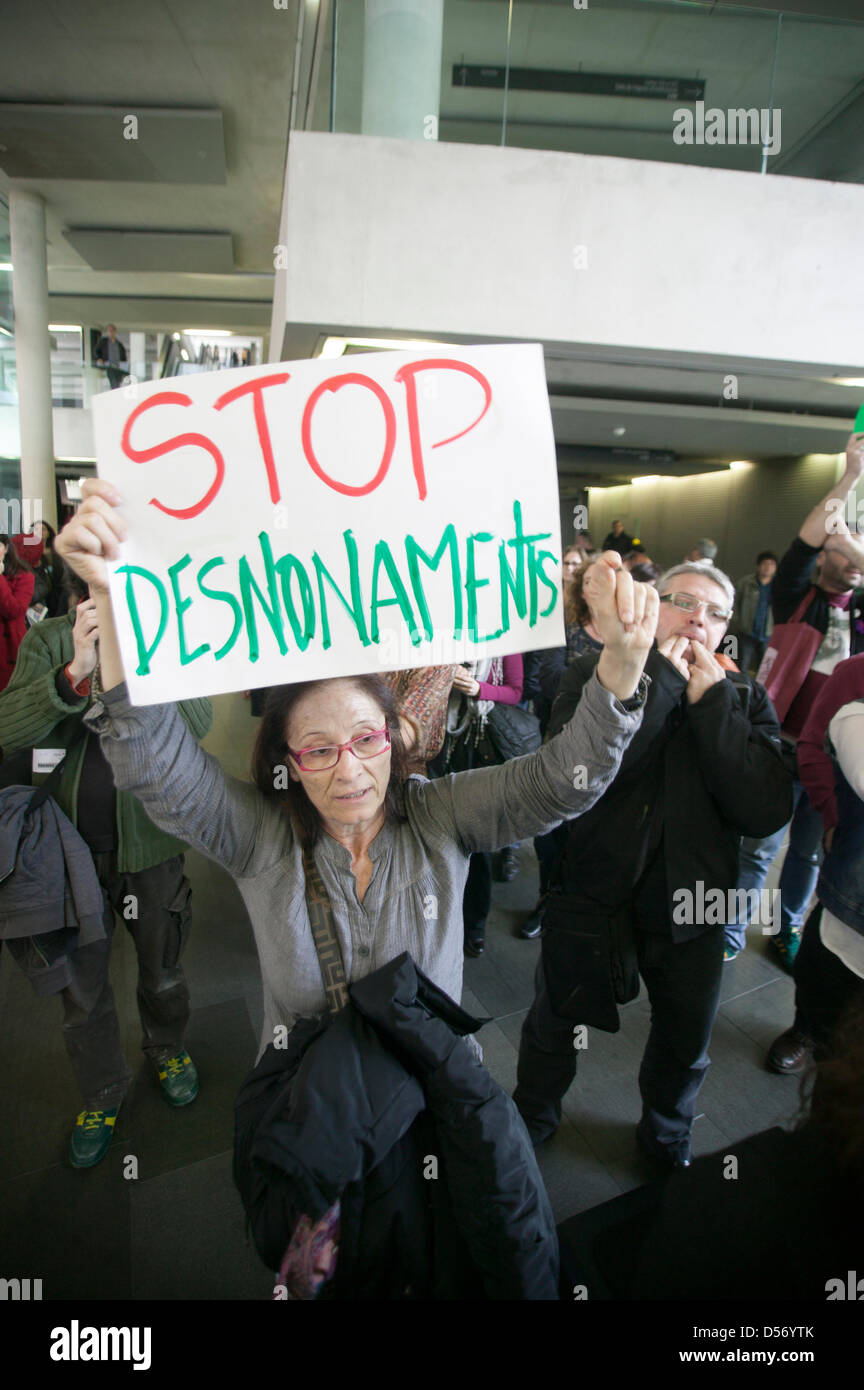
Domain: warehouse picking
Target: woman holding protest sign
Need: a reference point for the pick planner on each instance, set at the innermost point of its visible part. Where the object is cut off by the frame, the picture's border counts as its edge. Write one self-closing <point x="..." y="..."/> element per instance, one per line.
<point x="332" y="838"/>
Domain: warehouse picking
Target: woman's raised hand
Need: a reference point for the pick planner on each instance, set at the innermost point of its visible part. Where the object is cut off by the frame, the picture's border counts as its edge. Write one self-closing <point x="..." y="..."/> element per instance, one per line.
<point x="93" y="535"/>
<point x="624" y="613"/>
<point x="464" y="682"/>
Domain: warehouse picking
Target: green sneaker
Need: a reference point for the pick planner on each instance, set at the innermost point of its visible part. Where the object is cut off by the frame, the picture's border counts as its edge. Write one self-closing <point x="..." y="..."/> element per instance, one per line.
<point x="786" y="948"/>
<point x="91" y="1137"/>
<point x="730" y="953"/>
<point x="178" y="1079"/>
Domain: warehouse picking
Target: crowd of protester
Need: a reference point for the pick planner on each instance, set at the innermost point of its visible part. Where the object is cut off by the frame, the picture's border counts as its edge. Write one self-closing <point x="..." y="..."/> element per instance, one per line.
<point x="657" y="761"/>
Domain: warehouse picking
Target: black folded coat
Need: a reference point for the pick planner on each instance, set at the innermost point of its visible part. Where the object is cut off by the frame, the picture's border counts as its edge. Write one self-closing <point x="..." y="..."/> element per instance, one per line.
<point x="356" y="1110"/>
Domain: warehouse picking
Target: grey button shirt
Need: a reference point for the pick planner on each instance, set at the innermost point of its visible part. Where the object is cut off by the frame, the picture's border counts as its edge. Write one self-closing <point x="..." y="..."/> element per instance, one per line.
<point x="420" y="864"/>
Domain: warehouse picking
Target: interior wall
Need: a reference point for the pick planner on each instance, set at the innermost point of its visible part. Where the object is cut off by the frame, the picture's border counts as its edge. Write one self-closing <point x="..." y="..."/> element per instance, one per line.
<point x="744" y="511"/>
<point x="428" y="237"/>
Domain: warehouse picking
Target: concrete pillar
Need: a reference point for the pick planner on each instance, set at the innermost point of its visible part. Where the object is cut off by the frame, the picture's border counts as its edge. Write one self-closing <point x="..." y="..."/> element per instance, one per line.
<point x="137" y="356"/>
<point x="33" y="351"/>
<point x="402" y="68"/>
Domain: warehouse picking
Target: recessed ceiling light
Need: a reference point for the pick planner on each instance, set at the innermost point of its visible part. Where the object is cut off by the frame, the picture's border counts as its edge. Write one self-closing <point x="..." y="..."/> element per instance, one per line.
<point x="64" y="328"/>
<point x="619" y="430"/>
<point x="740" y="463"/>
<point x="646" y="478"/>
<point x="857" y="381"/>
<point x="208" y="332"/>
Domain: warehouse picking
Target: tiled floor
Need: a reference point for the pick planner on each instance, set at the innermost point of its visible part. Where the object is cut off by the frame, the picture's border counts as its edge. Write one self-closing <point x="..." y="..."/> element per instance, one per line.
<point x="170" y="1225"/>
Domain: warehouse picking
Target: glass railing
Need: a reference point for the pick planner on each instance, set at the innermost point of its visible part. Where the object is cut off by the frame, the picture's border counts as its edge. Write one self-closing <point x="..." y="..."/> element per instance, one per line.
<point x="731" y="86"/>
<point x="74" y="383"/>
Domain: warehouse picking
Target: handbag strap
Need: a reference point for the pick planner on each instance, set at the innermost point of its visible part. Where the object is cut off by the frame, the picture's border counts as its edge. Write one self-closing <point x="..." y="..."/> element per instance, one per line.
<point x="324" y="935"/>
<point x="798" y="615"/>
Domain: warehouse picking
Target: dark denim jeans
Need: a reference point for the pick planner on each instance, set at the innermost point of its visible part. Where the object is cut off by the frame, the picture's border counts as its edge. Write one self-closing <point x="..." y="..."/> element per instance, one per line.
<point x="154" y="906"/>
<point x="683" y="983"/>
<point x="750" y="653"/>
<point x="800" y="867"/>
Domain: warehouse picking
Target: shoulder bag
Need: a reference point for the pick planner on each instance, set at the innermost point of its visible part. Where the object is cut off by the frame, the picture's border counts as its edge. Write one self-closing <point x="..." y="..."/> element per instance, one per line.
<point x="512" y="731"/>
<point x="788" y="658"/>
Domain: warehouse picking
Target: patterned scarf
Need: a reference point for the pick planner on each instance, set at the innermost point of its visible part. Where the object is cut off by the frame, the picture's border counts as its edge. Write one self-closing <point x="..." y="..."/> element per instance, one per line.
<point x="310" y="1260"/>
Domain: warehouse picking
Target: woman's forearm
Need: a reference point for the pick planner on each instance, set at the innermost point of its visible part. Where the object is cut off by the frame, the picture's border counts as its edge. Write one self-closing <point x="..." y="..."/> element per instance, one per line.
<point x="620" y="672"/>
<point x="110" y="665"/>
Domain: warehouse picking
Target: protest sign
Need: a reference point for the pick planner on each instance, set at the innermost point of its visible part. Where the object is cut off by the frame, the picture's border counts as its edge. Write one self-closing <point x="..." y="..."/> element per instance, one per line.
<point x="312" y="519"/>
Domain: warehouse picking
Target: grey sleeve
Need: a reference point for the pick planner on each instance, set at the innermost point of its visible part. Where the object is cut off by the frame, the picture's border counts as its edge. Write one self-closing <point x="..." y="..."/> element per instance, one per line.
<point x="494" y="806"/>
<point x="154" y="756"/>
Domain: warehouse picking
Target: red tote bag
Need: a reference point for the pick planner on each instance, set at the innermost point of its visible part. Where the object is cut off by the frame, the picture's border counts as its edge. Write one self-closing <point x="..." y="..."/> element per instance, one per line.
<point x="788" y="657"/>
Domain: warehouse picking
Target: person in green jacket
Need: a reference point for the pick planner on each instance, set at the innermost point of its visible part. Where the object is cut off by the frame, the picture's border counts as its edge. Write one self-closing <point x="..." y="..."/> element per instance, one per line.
<point x="139" y="867"/>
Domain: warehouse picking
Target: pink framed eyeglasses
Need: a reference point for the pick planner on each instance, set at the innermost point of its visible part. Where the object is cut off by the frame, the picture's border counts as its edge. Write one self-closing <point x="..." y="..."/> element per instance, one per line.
<point x="364" y="746"/>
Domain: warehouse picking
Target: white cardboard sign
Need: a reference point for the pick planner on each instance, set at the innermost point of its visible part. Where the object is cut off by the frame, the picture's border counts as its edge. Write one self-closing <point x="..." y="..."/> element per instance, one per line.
<point x="320" y="518"/>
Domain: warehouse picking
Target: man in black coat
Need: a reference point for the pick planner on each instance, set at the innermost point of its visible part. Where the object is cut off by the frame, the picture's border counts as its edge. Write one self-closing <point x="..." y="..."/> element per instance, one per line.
<point x="111" y="354"/>
<point x="618" y="539"/>
<point x="822" y="570"/>
<point x="645" y="880"/>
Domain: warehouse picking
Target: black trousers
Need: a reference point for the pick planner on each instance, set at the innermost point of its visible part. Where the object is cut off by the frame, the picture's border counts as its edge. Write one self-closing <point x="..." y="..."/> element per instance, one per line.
<point x="683" y="982"/>
<point x="477" y="898"/>
<point x="824" y="988"/>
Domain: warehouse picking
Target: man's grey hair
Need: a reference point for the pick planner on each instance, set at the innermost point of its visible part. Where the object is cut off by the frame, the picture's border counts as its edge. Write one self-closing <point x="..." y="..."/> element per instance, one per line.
<point x="707" y="571"/>
<point x="707" y="548"/>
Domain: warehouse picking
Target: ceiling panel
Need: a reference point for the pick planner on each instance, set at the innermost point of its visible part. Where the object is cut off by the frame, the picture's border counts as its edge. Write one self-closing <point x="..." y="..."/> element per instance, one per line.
<point x="111" y="144"/>
<point x="117" y="249"/>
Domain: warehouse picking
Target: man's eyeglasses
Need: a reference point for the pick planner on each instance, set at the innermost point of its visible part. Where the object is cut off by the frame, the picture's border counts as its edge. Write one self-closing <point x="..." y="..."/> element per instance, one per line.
<point x="688" y="604"/>
<point x="364" y="746"/>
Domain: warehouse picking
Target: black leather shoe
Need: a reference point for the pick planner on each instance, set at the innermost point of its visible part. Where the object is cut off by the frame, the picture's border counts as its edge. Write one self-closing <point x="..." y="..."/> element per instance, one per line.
<point x="533" y="925"/>
<point x="789" y="1054"/>
<point x="474" y="945"/>
<point x="664" y="1155"/>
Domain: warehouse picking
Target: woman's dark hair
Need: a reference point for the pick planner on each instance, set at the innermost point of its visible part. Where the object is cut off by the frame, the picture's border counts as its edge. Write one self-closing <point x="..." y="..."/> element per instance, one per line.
<point x="74" y="587"/>
<point x="52" y="535"/>
<point x="12" y="562"/>
<point x="271" y="752"/>
<point x="645" y="573"/>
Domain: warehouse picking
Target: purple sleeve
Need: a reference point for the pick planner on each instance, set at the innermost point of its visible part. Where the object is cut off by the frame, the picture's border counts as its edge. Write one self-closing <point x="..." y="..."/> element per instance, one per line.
<point x="510" y="693"/>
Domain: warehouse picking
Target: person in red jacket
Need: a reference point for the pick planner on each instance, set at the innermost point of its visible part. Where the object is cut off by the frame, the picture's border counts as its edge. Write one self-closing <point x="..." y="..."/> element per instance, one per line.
<point x="16" y="593"/>
<point x="845" y="686"/>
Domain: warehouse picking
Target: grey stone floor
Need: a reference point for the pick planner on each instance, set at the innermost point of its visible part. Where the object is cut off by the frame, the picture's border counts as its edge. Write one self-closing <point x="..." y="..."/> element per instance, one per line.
<point x="176" y="1230"/>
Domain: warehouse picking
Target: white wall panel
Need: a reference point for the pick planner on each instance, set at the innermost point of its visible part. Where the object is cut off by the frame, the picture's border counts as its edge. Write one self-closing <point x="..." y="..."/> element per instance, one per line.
<point x="472" y="239"/>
